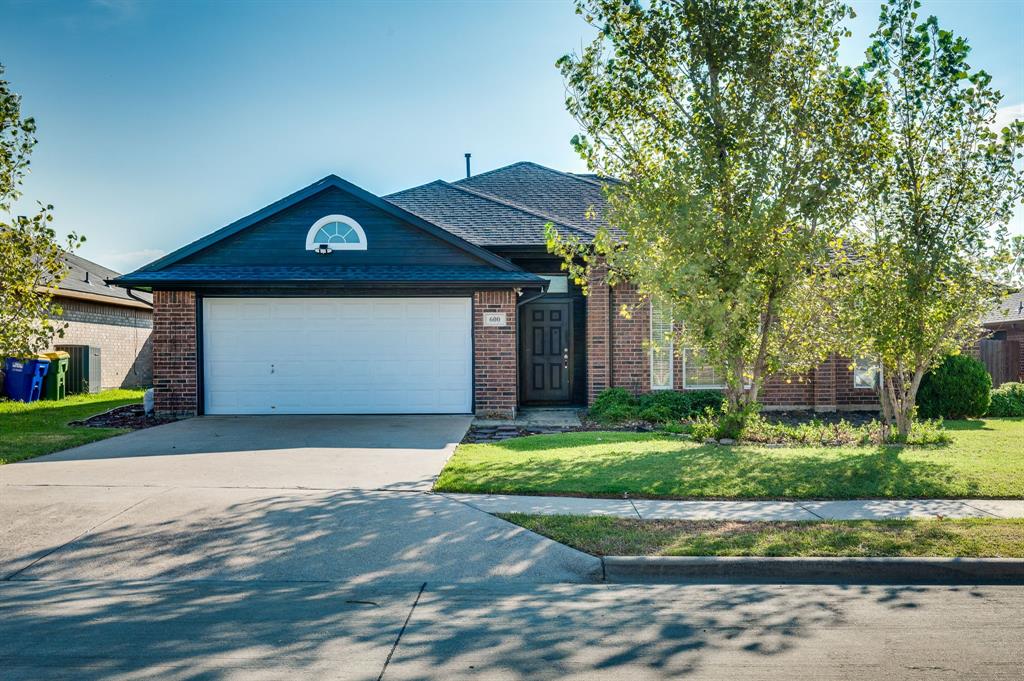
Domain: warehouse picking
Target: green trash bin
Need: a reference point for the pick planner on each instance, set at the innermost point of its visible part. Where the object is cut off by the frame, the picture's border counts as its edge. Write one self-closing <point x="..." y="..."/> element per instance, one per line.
<point x="56" y="382"/>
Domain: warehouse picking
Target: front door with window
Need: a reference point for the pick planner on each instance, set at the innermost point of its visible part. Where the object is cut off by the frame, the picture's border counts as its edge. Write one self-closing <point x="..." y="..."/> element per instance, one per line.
<point x="545" y="352"/>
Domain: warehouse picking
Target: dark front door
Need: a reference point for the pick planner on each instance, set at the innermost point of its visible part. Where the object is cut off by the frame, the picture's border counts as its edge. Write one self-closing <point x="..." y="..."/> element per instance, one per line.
<point x="545" y="352"/>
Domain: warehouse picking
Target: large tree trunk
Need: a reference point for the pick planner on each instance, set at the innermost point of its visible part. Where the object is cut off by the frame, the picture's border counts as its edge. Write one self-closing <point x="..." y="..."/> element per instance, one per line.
<point x="899" y="401"/>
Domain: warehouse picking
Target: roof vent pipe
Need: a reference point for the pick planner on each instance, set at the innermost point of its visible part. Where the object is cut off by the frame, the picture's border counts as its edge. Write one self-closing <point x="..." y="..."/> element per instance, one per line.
<point x="467" y="164"/>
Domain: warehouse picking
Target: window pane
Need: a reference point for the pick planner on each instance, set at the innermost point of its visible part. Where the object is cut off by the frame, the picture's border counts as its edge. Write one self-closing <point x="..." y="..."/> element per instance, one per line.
<point x="661" y="346"/>
<point x="865" y="373"/>
<point x="559" y="282"/>
<point x="698" y="373"/>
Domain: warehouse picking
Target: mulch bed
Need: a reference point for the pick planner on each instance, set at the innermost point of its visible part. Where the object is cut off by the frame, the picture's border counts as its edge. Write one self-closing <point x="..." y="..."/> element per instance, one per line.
<point x="499" y="433"/>
<point x="795" y="418"/>
<point x="130" y="416"/>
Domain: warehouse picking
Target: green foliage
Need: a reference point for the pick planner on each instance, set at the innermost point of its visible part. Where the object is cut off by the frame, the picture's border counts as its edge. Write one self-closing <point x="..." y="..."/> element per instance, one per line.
<point x="958" y="388"/>
<point x="614" y="405"/>
<point x="931" y="240"/>
<point x="758" y="430"/>
<point x="1007" y="400"/>
<point x="32" y="257"/>
<point x="663" y="406"/>
<point x="617" y="405"/>
<point x="739" y="140"/>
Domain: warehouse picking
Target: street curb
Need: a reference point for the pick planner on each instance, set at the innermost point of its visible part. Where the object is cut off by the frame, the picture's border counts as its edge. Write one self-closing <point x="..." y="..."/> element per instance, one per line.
<point x="813" y="570"/>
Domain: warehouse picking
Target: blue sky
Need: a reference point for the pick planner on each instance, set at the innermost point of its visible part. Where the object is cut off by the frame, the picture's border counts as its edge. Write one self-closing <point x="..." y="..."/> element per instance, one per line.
<point x="159" y="122"/>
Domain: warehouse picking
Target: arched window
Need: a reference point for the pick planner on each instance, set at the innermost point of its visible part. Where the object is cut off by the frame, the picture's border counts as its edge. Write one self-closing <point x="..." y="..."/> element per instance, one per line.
<point x="337" y="232"/>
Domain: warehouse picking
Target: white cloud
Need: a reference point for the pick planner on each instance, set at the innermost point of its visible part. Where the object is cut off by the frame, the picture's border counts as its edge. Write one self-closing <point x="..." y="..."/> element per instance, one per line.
<point x="1009" y="113"/>
<point x="127" y="261"/>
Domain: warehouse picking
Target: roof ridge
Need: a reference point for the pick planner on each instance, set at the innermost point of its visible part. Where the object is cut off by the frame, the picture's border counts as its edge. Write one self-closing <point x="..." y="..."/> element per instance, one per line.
<point x="573" y="176"/>
<point x="492" y="171"/>
<point x="511" y="204"/>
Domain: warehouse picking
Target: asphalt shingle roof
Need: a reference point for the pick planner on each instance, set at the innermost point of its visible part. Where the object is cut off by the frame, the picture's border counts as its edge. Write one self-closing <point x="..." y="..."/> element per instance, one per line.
<point x="85" y="276"/>
<point x="477" y="217"/>
<point x="510" y="206"/>
<point x="576" y="200"/>
<point x="340" y="274"/>
<point x="1010" y="309"/>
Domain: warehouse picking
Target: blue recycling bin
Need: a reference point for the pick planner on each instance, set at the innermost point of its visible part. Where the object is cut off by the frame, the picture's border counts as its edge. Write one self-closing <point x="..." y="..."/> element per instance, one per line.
<point x="23" y="378"/>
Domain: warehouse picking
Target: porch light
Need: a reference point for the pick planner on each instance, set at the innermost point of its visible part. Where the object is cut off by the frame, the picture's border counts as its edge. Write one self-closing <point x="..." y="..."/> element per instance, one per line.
<point x="324" y="249"/>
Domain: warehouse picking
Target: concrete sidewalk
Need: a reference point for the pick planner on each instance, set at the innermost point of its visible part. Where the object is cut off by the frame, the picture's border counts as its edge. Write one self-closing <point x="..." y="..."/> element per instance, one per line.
<point x="646" y="509"/>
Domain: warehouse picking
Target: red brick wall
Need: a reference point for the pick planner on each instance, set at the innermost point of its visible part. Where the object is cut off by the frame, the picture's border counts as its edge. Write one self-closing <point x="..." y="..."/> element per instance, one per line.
<point x="174" y="353"/>
<point x="630" y="365"/>
<point x="495" y="363"/>
<point x="793" y="392"/>
<point x="847" y="396"/>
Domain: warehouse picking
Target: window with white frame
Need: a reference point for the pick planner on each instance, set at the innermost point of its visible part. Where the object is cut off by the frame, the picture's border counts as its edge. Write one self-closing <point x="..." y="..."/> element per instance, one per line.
<point x="866" y="373"/>
<point x="661" y="346"/>
<point x="336" y="233"/>
<point x="698" y="373"/>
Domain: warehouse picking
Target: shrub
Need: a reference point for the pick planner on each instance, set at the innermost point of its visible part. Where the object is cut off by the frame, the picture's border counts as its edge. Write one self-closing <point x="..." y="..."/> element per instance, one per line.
<point x="958" y="388"/>
<point x="614" y="405"/>
<point x="705" y="426"/>
<point x="702" y="400"/>
<point x="1007" y="400"/>
<point x="664" y="405"/>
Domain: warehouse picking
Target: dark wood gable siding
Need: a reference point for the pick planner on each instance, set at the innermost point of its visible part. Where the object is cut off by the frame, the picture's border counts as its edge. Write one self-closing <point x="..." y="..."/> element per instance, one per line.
<point x="281" y="239"/>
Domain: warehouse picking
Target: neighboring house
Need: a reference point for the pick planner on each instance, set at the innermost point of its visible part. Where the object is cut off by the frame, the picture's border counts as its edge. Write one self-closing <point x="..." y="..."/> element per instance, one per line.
<point x="1003" y="350"/>
<point x="437" y="299"/>
<point x="115" y="320"/>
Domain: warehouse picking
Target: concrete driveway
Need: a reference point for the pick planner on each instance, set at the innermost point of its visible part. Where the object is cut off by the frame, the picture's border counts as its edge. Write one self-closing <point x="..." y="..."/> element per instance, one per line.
<point x="308" y="452"/>
<point x="282" y="498"/>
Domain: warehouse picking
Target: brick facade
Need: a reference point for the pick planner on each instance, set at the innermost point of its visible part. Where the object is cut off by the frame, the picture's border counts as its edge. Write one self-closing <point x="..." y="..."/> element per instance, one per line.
<point x="495" y="356"/>
<point x="175" y="368"/>
<point x="122" y="333"/>
<point x="618" y="355"/>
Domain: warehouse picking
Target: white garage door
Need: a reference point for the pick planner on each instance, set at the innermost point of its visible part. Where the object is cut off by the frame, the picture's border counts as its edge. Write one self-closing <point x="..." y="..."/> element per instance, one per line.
<point x="337" y="355"/>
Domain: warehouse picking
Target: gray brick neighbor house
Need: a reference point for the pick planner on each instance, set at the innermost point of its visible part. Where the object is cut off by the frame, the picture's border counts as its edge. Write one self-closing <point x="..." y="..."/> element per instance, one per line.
<point x="117" y="321"/>
<point x="437" y="299"/>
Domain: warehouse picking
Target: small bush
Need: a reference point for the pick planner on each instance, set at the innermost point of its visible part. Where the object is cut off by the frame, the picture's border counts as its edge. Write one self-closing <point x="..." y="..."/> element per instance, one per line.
<point x="758" y="430"/>
<point x="705" y="426"/>
<point x="1007" y="400"/>
<point x="702" y="400"/>
<point x="664" y="405"/>
<point x="958" y="388"/>
<point x="615" y="405"/>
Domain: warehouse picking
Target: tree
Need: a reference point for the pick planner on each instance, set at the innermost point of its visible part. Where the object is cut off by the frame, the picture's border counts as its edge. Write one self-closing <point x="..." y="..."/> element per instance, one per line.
<point x="1016" y="274"/>
<point x="931" y="246"/>
<point x="738" y="139"/>
<point x="32" y="258"/>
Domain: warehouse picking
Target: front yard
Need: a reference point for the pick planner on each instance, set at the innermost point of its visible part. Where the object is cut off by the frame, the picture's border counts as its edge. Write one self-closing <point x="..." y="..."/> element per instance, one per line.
<point x="42" y="427"/>
<point x="602" y="536"/>
<point x="984" y="459"/>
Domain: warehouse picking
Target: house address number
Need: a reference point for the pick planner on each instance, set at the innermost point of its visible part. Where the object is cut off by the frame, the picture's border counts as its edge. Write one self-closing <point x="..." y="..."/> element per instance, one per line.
<point x="495" y="319"/>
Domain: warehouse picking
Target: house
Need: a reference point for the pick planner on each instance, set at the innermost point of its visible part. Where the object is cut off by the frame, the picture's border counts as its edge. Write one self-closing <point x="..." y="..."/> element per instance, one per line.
<point x="111" y="318"/>
<point x="1002" y="351"/>
<point x="437" y="299"/>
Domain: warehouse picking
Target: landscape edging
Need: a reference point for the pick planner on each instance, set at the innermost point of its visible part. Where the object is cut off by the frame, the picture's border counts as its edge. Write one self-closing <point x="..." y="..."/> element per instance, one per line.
<point x="813" y="570"/>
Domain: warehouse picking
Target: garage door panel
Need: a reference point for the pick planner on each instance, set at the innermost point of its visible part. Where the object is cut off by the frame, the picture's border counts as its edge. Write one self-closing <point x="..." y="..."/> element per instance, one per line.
<point x="337" y="355"/>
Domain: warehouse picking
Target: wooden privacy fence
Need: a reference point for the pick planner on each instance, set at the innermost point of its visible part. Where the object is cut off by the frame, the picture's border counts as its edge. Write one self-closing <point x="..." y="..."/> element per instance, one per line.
<point x="1002" y="359"/>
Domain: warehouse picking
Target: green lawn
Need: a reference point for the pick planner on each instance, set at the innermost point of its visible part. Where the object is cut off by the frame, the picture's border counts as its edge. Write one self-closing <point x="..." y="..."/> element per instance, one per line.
<point x="42" y="427"/>
<point x="621" y="537"/>
<point x="984" y="459"/>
